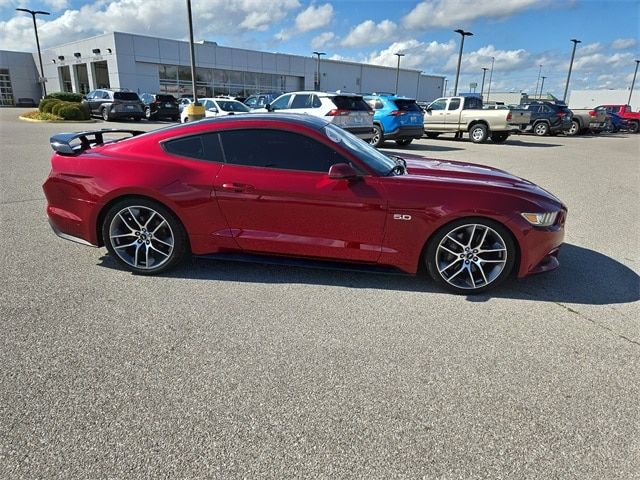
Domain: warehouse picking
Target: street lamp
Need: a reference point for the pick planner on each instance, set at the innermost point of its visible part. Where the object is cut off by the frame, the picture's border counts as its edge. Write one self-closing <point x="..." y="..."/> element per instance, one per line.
<point x="537" y="81"/>
<point x="317" y="82"/>
<point x="573" y="54"/>
<point x="444" y="93"/>
<point x="462" y="34"/>
<point x="484" y="72"/>
<point x="35" y="28"/>
<point x="398" y="69"/>
<point x="633" y="82"/>
<point x="493" y="59"/>
<point x="542" y="86"/>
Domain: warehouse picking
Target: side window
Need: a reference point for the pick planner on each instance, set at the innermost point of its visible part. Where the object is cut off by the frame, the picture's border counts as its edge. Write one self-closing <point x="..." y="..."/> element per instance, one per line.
<point x="262" y="101"/>
<point x="105" y="95"/>
<point x="201" y="147"/>
<point x="439" y="104"/>
<point x="301" y="101"/>
<point x="280" y="103"/>
<point x="90" y="95"/>
<point x="454" y="104"/>
<point x="251" y="102"/>
<point x="316" y="103"/>
<point x="278" y="149"/>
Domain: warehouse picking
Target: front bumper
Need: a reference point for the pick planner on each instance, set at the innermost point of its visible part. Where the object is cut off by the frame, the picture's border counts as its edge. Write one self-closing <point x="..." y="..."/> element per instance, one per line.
<point x="539" y="247"/>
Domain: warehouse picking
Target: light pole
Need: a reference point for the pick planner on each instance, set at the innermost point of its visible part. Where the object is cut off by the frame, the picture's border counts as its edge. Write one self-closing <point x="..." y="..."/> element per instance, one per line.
<point x="542" y="85"/>
<point x="398" y="54"/>
<point x="484" y="72"/>
<point x="318" y="54"/>
<point x="537" y="81"/>
<point x="35" y="28"/>
<point x="493" y="59"/>
<point x="573" y="54"/>
<point x="444" y="93"/>
<point x="633" y="82"/>
<point x="462" y="34"/>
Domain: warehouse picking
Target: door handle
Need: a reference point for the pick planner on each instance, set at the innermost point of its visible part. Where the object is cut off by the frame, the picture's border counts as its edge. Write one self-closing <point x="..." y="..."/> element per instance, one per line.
<point x="237" y="187"/>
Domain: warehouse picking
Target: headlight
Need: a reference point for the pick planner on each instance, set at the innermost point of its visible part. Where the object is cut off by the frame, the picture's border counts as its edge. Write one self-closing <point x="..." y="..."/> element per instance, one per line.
<point x="540" y="219"/>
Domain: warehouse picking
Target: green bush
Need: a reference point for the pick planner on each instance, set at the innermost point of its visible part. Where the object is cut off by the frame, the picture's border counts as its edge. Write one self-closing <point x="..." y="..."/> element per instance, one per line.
<point x="66" y="96"/>
<point x="57" y="106"/>
<point x="86" y="111"/>
<point x="70" y="112"/>
<point x="46" y="104"/>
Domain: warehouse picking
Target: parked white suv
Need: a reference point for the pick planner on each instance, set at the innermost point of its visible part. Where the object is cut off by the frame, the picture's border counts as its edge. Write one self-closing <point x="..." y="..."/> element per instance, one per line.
<point x="218" y="106"/>
<point x="346" y="110"/>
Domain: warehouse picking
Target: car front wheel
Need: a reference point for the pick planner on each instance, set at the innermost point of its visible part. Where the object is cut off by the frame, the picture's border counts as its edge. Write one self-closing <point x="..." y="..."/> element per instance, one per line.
<point x="105" y="114"/>
<point x="470" y="255"/>
<point x="144" y="236"/>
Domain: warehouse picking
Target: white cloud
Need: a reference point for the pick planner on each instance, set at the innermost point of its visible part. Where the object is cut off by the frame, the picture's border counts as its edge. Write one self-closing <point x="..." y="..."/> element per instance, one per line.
<point x="216" y="17"/>
<point x="321" y="40"/>
<point x="505" y="60"/>
<point x="369" y="33"/>
<point x="622" y="43"/>
<point x="309" y="19"/>
<point x="449" y="13"/>
<point x="57" y="4"/>
<point x="417" y="54"/>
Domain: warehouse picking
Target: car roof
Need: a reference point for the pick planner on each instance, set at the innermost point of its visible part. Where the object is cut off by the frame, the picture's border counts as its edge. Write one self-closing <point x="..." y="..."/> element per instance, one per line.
<point x="324" y="94"/>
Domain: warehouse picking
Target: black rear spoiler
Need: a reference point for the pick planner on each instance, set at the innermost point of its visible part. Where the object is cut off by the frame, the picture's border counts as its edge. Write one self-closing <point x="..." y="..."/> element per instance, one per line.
<point x="61" y="142"/>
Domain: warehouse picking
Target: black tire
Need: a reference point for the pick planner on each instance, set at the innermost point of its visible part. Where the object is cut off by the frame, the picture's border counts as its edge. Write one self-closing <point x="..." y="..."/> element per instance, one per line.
<point x="104" y="113"/>
<point x="634" y="127"/>
<point x="478" y="133"/>
<point x="499" y="137"/>
<point x="167" y="237"/>
<point x="432" y="135"/>
<point x="541" y="129"/>
<point x="378" y="137"/>
<point x="574" y="129"/>
<point x="403" y="142"/>
<point x="432" y="259"/>
<point x="137" y="119"/>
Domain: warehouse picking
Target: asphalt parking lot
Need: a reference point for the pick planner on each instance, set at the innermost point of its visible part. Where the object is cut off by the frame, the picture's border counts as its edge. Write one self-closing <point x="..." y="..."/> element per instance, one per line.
<point x="225" y="370"/>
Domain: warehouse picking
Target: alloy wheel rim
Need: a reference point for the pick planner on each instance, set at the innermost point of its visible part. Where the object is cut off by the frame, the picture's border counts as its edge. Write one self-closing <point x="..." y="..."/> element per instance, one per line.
<point x="376" y="137"/>
<point x="574" y="128"/>
<point x="141" y="237"/>
<point x="541" y="128"/>
<point x="471" y="256"/>
<point x="477" y="134"/>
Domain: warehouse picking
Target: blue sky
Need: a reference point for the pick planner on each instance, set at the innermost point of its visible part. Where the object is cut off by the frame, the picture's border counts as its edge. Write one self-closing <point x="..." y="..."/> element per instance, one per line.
<point x="520" y="34"/>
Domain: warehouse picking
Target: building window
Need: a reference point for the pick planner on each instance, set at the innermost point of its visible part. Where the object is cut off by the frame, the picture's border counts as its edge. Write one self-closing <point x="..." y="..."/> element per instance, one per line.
<point x="65" y="79"/>
<point x="6" y="92"/>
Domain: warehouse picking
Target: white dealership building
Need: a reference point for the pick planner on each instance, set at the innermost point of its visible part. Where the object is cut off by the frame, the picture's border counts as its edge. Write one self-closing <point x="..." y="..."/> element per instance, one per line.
<point x="151" y="64"/>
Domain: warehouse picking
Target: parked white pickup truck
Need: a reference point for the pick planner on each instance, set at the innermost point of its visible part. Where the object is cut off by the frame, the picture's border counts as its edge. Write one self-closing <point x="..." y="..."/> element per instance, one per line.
<point x="465" y="114"/>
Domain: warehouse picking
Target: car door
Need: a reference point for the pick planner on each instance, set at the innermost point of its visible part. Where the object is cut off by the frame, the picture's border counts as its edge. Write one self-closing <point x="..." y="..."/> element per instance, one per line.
<point x="452" y="115"/>
<point x="95" y="99"/>
<point x="277" y="197"/>
<point x="435" y="115"/>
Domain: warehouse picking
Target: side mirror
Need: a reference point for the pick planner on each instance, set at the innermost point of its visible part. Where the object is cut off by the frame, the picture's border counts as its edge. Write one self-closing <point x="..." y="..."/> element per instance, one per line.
<point x="342" y="171"/>
<point x="428" y="109"/>
<point x="268" y="107"/>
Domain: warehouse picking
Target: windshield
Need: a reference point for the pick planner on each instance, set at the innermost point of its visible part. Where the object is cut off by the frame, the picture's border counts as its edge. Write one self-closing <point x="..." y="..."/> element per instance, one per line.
<point x="369" y="155"/>
<point x="232" y="106"/>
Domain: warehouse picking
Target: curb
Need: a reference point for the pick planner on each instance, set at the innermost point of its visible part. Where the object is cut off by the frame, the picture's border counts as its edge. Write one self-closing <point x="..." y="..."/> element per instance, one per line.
<point x="34" y="120"/>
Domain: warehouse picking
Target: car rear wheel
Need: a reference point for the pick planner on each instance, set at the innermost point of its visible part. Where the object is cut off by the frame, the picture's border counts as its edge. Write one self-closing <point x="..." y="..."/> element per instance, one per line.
<point x="403" y="142"/>
<point x="144" y="236"/>
<point x="541" y="129"/>
<point x="470" y="255"/>
<point x="574" y="129"/>
<point x="634" y="127"/>
<point x="432" y="135"/>
<point x="378" y="138"/>
<point x="478" y="133"/>
<point x="105" y="114"/>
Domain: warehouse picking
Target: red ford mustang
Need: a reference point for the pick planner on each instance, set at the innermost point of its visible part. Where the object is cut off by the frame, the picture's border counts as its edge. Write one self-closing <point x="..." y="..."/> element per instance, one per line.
<point x="296" y="186"/>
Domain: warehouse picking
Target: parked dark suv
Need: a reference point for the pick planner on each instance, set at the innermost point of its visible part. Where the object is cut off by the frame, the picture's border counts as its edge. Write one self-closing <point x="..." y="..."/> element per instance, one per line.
<point x="114" y="104"/>
<point x="160" y="105"/>
<point x="548" y="117"/>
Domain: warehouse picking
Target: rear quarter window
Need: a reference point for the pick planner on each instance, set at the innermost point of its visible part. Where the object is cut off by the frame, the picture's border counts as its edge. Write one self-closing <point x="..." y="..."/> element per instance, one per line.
<point x="200" y="147"/>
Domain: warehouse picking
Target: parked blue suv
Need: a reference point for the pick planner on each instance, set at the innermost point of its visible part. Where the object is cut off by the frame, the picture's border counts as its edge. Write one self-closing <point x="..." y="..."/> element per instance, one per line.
<point x="395" y="118"/>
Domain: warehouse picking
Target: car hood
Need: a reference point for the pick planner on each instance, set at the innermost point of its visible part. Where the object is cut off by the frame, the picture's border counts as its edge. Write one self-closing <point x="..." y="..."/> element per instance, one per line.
<point x="420" y="168"/>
